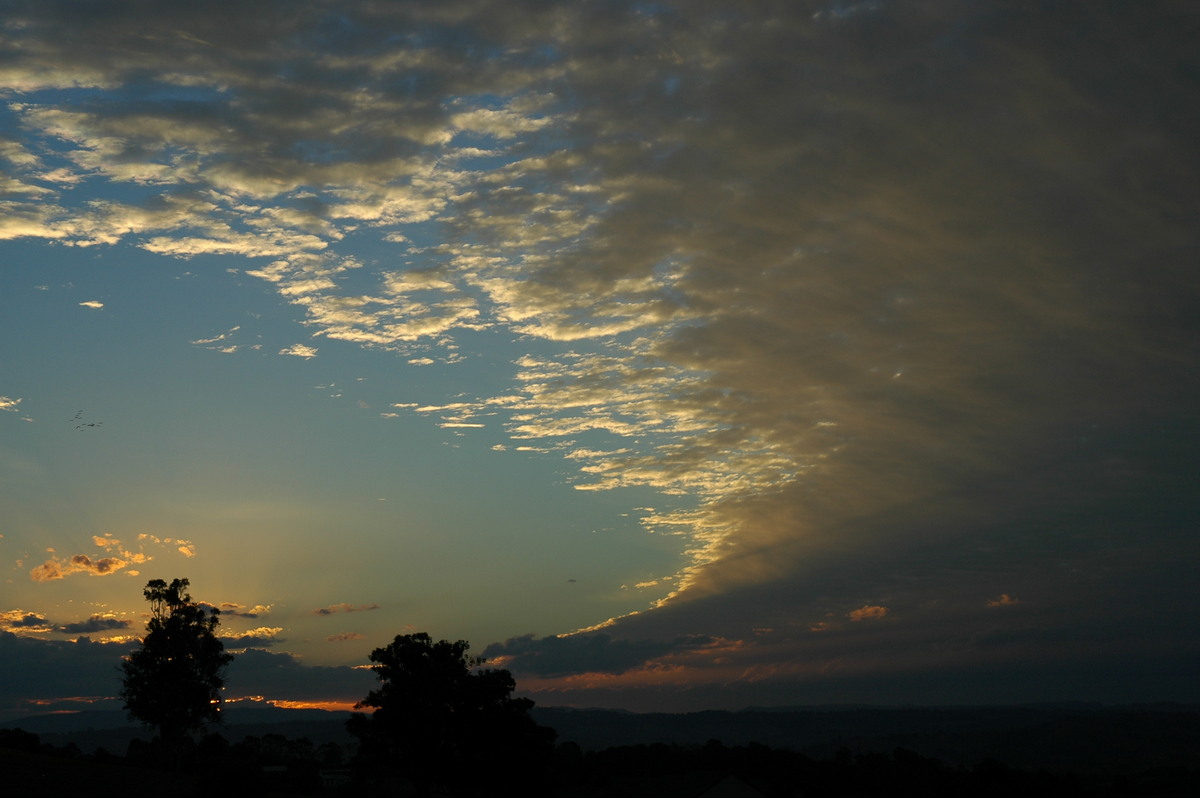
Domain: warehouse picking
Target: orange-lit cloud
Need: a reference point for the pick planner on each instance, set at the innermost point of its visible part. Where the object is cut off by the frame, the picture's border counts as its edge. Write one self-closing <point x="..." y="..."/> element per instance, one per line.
<point x="264" y="631"/>
<point x="329" y="706"/>
<point x="115" y="546"/>
<point x="1003" y="600"/>
<point x="719" y="662"/>
<point x="119" y="557"/>
<point x="242" y="611"/>
<point x="263" y="636"/>
<point x="21" y="621"/>
<point x="185" y="547"/>
<point x="867" y="613"/>
<point x="56" y="568"/>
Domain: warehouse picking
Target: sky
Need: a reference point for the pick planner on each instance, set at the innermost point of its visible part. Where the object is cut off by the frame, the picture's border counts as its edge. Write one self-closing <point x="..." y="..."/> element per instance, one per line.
<point x="677" y="355"/>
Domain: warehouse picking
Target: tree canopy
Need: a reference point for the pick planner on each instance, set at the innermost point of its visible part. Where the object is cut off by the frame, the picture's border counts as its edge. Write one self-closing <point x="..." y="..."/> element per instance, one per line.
<point x="440" y="716"/>
<point x="173" y="682"/>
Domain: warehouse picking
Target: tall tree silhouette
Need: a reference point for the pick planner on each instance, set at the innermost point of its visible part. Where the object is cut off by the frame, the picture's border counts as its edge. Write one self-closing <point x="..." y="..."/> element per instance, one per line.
<point x="173" y="682"/>
<point x="444" y="721"/>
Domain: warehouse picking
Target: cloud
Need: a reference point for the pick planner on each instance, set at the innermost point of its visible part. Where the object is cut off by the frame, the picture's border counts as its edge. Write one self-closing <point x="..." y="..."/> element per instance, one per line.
<point x="559" y="655"/>
<point x="185" y="547"/>
<point x="263" y="636"/>
<point x="1003" y="600"/>
<point x="89" y="670"/>
<point x="223" y="342"/>
<point x="278" y="675"/>
<point x="871" y="612"/>
<point x="344" y="607"/>
<point x="342" y="637"/>
<point x="236" y="610"/>
<point x="93" y="304"/>
<point x="20" y="620"/>
<point x="52" y="669"/>
<point x="120" y="557"/>
<point x="949" y="652"/>
<point x="95" y="623"/>
<point x="299" y="350"/>
<point x="60" y="568"/>
<point x="7" y="403"/>
<point x="241" y="611"/>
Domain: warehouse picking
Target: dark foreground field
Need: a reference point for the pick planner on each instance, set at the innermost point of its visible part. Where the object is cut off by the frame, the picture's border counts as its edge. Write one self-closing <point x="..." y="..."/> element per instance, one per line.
<point x="1062" y="750"/>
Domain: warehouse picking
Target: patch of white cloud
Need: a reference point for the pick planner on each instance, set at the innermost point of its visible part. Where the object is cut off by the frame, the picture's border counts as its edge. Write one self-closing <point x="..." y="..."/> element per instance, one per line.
<point x="299" y="350"/>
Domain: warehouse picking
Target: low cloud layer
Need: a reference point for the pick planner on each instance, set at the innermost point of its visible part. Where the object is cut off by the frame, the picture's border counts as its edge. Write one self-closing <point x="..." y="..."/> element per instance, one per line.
<point x="20" y="620"/>
<point x="600" y="653"/>
<point x="86" y="672"/>
<point x="283" y="677"/>
<point x="895" y="309"/>
<point x="96" y="623"/>
<point x="82" y="669"/>
<point x="261" y="637"/>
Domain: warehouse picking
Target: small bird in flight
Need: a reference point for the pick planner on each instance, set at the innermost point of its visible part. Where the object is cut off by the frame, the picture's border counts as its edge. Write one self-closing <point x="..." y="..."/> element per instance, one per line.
<point x="79" y="417"/>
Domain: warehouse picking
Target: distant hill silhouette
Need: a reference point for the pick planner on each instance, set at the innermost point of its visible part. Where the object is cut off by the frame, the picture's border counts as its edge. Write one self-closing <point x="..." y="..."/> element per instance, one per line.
<point x="1083" y="738"/>
<point x="1086" y="738"/>
<point x="113" y="731"/>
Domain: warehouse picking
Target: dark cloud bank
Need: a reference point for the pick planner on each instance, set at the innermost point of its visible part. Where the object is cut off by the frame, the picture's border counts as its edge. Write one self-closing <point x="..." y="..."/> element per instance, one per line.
<point x="964" y="235"/>
<point x="86" y="673"/>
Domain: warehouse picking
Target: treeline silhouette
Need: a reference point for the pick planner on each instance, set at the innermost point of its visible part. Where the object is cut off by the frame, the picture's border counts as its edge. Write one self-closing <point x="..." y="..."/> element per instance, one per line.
<point x="273" y="764"/>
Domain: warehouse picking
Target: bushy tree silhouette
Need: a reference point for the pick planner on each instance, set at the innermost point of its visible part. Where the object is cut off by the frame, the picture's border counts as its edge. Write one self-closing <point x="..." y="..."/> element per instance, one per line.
<point x="173" y="682"/>
<point x="445" y="721"/>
